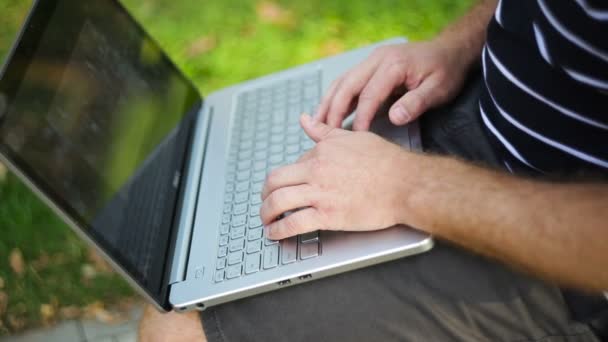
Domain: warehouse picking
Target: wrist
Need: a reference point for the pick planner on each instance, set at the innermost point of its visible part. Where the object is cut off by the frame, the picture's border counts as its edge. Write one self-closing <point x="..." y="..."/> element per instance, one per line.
<point x="409" y="188"/>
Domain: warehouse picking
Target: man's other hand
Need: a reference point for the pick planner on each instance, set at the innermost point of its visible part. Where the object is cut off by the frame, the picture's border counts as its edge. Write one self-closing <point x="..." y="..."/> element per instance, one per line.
<point x="348" y="181"/>
<point x="429" y="73"/>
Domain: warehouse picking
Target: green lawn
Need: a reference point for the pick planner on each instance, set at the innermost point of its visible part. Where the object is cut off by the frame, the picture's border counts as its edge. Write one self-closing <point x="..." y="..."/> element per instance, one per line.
<point x="46" y="273"/>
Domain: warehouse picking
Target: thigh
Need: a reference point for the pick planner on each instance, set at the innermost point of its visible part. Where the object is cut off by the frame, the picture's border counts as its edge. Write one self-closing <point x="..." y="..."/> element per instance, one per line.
<point x="444" y="295"/>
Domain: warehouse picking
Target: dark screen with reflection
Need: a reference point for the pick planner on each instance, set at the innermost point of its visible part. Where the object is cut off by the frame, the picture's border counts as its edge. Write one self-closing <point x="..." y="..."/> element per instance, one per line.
<point x="93" y="117"/>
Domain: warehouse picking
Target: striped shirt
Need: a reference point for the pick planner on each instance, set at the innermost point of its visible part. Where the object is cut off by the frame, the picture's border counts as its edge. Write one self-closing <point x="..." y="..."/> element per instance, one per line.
<point x="545" y="100"/>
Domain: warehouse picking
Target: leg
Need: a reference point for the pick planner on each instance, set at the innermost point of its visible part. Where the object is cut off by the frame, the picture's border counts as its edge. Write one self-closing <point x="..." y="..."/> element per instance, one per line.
<point x="444" y="295"/>
<point x="156" y="326"/>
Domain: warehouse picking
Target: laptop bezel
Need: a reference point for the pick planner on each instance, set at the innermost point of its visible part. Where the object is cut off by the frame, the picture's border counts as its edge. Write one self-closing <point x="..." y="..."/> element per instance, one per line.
<point x="38" y="16"/>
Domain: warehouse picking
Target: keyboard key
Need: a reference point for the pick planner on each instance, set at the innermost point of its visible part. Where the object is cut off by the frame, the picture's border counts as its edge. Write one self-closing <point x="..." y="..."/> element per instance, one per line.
<point x="289" y="250"/>
<point x="277" y="138"/>
<point x="244" y="165"/>
<point x="309" y="250"/>
<point x="224" y="229"/>
<point x="293" y="148"/>
<point x="221" y="263"/>
<point x="261" y="145"/>
<point x="256" y="199"/>
<point x="275" y="149"/>
<point x="259" y="175"/>
<point x="293" y="139"/>
<point x="241" y="197"/>
<point x="308" y="237"/>
<point x="226" y="218"/>
<point x="239" y="220"/>
<point x="227" y="208"/>
<point x="219" y="276"/>
<point x="229" y="187"/>
<point x="293" y="128"/>
<point x="235" y="258"/>
<point x="255" y="222"/>
<point x="228" y="198"/>
<point x="237" y="245"/>
<point x="234" y="271"/>
<point x="259" y="166"/>
<point x="223" y="240"/>
<point x="242" y="186"/>
<point x="268" y="242"/>
<point x="307" y="144"/>
<point x="254" y="234"/>
<point x="241" y="208"/>
<point x="277" y="129"/>
<point x="256" y="188"/>
<point x="275" y="159"/>
<point x="254" y="210"/>
<point x="243" y="175"/>
<point x="260" y="155"/>
<point x="254" y="246"/>
<point x="222" y="252"/>
<point x="271" y="256"/>
<point x="252" y="263"/>
<point x="237" y="232"/>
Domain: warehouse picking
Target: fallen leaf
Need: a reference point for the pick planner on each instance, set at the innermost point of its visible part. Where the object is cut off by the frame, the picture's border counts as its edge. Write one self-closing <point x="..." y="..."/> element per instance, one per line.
<point x="3" y="172"/>
<point x="16" y="322"/>
<point x="1" y="283"/>
<point x="88" y="272"/>
<point x="97" y="311"/>
<point x="16" y="261"/>
<point x="99" y="262"/>
<point x="201" y="46"/>
<point x="3" y="302"/>
<point x="70" y="312"/>
<point x="47" y="311"/>
<point x="41" y="262"/>
<point x="273" y="13"/>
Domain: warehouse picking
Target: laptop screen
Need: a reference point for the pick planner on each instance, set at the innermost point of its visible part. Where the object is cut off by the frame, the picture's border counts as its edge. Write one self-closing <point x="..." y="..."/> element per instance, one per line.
<point x="94" y="116"/>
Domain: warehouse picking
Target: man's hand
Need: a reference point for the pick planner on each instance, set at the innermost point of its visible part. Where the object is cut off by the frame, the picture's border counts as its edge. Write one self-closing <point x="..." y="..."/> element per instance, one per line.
<point x="349" y="181"/>
<point x="431" y="72"/>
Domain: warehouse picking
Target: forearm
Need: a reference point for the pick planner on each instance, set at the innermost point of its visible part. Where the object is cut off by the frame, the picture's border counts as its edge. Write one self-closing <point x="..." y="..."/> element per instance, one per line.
<point x="467" y="36"/>
<point x="556" y="231"/>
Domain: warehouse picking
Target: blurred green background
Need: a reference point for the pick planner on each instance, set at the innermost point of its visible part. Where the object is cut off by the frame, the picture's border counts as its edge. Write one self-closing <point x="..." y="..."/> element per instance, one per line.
<point x="46" y="273"/>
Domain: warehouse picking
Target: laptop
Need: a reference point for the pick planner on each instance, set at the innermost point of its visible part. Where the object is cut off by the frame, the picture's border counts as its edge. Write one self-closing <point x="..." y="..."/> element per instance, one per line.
<point x="165" y="183"/>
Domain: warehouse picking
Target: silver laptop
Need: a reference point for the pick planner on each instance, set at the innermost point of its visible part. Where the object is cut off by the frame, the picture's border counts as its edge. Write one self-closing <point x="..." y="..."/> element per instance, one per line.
<point x="98" y="122"/>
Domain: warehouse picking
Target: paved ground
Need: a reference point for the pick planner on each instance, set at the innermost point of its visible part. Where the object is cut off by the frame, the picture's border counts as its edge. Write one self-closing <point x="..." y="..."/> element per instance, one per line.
<point x="84" y="331"/>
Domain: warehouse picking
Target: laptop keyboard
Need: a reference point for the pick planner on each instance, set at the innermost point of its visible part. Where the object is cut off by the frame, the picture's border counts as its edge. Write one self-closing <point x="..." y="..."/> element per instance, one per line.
<point x="266" y="135"/>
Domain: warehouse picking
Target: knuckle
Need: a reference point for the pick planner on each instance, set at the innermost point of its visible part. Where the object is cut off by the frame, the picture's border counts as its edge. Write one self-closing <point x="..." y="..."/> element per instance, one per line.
<point x="292" y="225"/>
<point x="379" y="51"/>
<point x="418" y="102"/>
<point x="274" y="201"/>
<point x="368" y="94"/>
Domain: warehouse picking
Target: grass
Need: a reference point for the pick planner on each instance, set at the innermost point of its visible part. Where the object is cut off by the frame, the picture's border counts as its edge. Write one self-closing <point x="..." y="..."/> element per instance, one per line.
<point x="46" y="273"/>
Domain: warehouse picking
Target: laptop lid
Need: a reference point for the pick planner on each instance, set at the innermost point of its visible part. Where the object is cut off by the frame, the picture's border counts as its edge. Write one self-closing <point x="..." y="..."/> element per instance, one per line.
<point x="95" y="117"/>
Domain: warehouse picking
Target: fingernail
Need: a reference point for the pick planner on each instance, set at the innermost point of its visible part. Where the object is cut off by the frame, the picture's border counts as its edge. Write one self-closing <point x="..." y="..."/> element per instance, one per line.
<point x="401" y="115"/>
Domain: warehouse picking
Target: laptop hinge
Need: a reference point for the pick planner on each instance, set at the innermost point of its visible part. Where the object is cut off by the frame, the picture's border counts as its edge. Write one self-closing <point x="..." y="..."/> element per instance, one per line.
<point x="187" y="213"/>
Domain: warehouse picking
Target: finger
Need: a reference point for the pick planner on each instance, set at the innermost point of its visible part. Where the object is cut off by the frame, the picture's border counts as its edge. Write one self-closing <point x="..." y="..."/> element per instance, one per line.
<point x="415" y="102"/>
<point x="302" y="221"/>
<point x="321" y="114"/>
<point x="285" y="199"/>
<point x="318" y="131"/>
<point x="349" y="89"/>
<point x="377" y="90"/>
<point x="289" y="175"/>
